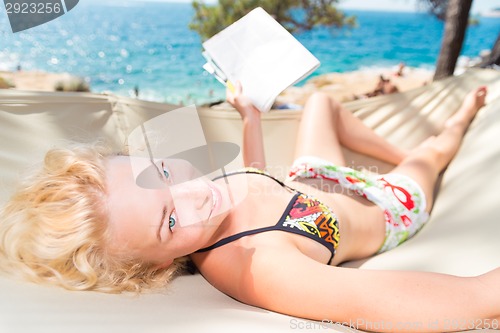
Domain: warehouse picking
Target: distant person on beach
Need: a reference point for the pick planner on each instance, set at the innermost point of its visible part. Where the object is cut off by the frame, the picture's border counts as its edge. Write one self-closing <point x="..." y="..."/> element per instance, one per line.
<point x="384" y="86"/>
<point x="389" y="87"/>
<point x="83" y="222"/>
<point x="401" y="68"/>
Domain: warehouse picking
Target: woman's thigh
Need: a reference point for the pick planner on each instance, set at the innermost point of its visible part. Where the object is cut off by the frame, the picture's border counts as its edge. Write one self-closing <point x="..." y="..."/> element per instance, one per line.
<point x="317" y="135"/>
<point x="421" y="166"/>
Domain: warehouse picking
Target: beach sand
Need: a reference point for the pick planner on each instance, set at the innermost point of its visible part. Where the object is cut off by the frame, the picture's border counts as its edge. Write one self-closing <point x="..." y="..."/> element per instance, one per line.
<point x="343" y="86"/>
<point x="37" y="80"/>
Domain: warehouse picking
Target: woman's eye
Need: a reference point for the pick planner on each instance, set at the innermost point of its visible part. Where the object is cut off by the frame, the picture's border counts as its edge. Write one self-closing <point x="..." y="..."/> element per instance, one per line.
<point x="171" y="222"/>
<point x="166" y="173"/>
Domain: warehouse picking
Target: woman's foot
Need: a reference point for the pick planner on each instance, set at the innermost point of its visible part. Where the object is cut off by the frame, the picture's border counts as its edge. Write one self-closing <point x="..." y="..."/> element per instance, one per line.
<point x="448" y="141"/>
<point x="474" y="101"/>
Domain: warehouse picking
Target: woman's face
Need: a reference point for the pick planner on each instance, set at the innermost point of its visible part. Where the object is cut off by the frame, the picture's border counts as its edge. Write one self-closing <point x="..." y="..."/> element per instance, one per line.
<point x="166" y="222"/>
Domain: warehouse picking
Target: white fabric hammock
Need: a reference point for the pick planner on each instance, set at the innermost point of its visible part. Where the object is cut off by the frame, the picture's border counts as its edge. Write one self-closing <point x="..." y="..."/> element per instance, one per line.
<point x="461" y="237"/>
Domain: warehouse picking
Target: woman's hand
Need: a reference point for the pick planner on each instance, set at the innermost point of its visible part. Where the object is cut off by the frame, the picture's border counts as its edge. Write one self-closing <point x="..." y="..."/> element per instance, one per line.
<point x="241" y="103"/>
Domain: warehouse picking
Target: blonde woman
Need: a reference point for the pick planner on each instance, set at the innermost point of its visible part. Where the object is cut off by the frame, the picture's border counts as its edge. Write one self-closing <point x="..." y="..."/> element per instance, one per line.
<point x="84" y="223"/>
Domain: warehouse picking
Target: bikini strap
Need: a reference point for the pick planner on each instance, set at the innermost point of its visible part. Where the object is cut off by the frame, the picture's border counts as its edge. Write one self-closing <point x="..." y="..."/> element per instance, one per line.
<point x="232" y="238"/>
<point x="250" y="170"/>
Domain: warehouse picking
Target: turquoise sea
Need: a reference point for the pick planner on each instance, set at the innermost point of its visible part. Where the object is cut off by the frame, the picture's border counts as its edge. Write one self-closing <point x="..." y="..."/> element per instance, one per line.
<point x="117" y="47"/>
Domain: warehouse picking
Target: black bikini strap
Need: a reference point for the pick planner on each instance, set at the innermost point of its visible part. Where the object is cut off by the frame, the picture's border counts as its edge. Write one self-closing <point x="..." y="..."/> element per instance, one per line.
<point x="256" y="172"/>
<point x="232" y="238"/>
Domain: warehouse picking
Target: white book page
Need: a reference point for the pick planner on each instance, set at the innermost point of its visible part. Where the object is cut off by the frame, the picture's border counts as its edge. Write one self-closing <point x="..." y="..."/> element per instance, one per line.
<point x="257" y="51"/>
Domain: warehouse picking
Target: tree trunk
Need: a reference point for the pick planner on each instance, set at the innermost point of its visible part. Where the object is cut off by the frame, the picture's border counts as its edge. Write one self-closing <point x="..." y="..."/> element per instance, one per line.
<point x="457" y="17"/>
<point x="494" y="57"/>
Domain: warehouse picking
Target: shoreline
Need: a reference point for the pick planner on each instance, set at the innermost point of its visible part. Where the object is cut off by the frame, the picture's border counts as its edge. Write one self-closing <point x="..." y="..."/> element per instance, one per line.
<point x="42" y="81"/>
<point x="342" y="86"/>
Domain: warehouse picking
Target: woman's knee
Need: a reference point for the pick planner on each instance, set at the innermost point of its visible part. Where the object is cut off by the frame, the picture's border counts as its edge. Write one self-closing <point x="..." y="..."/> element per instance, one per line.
<point x="322" y="102"/>
<point x="436" y="147"/>
<point x="439" y="155"/>
<point x="318" y="96"/>
<point x="428" y="158"/>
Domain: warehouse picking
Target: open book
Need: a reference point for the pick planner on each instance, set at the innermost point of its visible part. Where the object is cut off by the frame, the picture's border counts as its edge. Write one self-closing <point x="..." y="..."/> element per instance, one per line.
<point x="258" y="52"/>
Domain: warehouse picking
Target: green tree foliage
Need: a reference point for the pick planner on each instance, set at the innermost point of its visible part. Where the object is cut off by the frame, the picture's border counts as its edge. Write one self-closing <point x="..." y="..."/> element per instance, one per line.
<point x="210" y="19"/>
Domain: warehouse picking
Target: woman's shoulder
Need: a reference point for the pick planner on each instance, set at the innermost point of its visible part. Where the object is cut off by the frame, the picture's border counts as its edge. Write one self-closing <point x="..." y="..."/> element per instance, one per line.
<point x="233" y="267"/>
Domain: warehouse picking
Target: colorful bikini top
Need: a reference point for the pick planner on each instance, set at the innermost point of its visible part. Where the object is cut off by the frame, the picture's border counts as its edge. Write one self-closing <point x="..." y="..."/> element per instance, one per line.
<point x="304" y="216"/>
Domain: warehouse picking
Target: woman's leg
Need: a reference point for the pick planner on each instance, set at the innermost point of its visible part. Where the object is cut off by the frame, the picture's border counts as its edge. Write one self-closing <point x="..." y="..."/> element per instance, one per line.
<point x="326" y="126"/>
<point x="428" y="160"/>
<point x="318" y="134"/>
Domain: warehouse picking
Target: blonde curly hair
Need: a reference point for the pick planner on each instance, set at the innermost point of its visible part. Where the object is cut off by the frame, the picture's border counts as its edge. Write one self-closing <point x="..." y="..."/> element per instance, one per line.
<point x="54" y="228"/>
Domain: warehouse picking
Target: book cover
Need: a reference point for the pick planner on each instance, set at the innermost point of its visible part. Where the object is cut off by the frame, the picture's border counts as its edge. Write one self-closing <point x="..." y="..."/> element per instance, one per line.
<point x="259" y="53"/>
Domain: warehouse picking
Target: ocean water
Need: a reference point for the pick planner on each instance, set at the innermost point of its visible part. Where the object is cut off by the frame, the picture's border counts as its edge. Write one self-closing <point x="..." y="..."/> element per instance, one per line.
<point x="118" y="47"/>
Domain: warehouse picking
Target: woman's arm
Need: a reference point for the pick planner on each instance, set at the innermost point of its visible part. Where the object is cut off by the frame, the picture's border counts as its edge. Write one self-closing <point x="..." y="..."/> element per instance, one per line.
<point x="382" y="301"/>
<point x="253" y="145"/>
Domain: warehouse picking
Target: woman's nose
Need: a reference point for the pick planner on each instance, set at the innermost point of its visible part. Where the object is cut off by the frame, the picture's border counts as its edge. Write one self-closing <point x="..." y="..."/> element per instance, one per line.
<point x="194" y="194"/>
